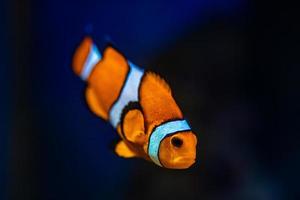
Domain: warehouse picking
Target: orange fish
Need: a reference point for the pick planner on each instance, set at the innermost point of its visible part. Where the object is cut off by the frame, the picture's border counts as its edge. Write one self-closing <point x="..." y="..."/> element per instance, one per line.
<point x="138" y="104"/>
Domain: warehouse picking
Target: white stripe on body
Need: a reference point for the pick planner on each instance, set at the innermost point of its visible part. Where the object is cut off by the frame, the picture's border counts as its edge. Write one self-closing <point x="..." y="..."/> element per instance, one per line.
<point x="129" y="93"/>
<point x="91" y="61"/>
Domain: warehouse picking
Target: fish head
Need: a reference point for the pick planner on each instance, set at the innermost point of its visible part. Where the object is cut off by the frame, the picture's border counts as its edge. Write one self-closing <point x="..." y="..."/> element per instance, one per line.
<point x="178" y="151"/>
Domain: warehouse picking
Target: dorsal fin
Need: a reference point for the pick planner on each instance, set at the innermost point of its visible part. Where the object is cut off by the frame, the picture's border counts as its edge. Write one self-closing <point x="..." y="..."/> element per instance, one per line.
<point x="160" y="81"/>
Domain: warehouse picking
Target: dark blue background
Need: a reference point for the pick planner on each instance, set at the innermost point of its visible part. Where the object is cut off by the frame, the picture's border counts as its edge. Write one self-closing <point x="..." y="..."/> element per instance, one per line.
<point x="233" y="67"/>
<point x="4" y="102"/>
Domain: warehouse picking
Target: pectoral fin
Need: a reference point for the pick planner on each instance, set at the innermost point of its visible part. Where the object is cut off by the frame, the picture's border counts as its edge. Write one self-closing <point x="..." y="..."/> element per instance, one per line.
<point x="124" y="151"/>
<point x="133" y="126"/>
<point x="93" y="103"/>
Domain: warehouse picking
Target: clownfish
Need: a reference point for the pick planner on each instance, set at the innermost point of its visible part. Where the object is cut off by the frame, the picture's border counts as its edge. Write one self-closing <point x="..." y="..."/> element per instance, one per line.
<point x="138" y="104"/>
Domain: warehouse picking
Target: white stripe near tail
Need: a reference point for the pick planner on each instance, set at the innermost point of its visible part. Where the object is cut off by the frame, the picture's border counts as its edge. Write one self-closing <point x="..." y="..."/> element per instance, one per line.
<point x="93" y="58"/>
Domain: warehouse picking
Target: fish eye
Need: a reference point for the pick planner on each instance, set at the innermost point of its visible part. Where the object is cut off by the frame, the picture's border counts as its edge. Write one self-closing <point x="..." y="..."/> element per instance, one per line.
<point x="176" y="142"/>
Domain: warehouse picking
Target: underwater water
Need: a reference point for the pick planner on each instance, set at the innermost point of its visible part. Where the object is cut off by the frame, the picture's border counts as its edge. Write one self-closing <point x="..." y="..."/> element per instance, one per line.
<point x="233" y="69"/>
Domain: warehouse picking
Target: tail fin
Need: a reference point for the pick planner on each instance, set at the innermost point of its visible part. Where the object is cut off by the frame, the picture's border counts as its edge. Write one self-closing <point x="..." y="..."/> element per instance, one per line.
<point x="85" y="58"/>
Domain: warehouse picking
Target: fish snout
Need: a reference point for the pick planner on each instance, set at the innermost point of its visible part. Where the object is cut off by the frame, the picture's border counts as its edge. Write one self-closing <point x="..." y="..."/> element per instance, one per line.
<point x="184" y="162"/>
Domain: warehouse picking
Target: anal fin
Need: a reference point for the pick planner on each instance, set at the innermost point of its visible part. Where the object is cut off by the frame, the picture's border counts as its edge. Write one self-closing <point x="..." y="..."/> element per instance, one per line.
<point x="123" y="150"/>
<point x="94" y="105"/>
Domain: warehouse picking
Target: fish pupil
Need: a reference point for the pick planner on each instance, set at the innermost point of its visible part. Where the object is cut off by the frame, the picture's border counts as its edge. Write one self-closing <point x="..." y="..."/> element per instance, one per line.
<point x="176" y="142"/>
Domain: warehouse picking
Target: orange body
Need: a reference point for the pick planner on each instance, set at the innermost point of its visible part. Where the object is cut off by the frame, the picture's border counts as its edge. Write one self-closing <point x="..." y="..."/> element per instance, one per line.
<point x="156" y="105"/>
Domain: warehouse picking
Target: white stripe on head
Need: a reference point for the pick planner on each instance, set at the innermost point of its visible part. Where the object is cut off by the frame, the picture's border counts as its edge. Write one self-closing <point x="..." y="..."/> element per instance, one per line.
<point x="160" y="133"/>
<point x="92" y="59"/>
<point x="129" y="93"/>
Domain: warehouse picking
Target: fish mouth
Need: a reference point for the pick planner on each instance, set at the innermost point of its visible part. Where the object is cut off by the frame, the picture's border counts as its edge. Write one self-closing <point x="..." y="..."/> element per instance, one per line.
<point x="183" y="162"/>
